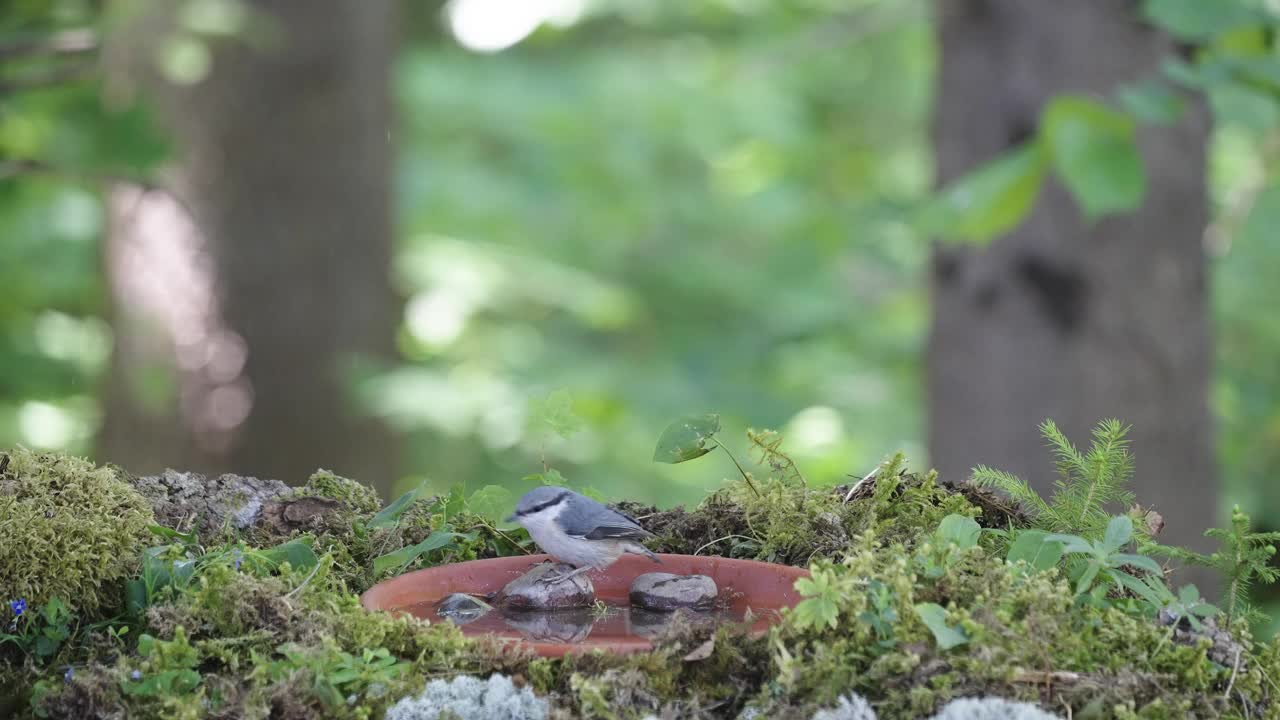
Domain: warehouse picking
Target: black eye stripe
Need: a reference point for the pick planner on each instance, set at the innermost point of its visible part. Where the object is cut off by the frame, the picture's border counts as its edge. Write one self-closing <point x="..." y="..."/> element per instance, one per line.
<point x="543" y="506"/>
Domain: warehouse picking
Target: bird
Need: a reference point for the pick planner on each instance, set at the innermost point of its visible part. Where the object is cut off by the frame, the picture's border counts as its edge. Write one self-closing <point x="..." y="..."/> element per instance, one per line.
<point x="578" y="531"/>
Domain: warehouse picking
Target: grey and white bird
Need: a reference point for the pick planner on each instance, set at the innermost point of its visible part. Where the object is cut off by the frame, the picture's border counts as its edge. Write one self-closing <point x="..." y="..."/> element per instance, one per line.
<point x="579" y="531"/>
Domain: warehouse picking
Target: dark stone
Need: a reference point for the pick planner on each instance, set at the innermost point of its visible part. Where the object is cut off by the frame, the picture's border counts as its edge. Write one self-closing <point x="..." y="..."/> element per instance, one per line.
<point x="1224" y="649"/>
<point x="664" y="591"/>
<point x="530" y="592"/>
<point x="461" y="608"/>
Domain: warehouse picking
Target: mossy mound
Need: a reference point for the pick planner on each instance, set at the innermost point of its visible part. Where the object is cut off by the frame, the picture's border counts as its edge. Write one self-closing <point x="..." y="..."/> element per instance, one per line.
<point x="1012" y="634"/>
<point x="238" y="645"/>
<point x="356" y="496"/>
<point x="68" y="529"/>
<point x="895" y="612"/>
<point x="791" y="524"/>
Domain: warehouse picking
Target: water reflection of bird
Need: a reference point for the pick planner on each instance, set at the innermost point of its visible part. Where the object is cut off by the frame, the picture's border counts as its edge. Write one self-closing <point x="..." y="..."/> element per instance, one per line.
<point x="579" y="531"/>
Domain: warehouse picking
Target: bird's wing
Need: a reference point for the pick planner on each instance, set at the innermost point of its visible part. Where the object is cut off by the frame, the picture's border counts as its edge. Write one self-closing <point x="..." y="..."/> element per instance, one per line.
<point x="621" y="531"/>
<point x="607" y="524"/>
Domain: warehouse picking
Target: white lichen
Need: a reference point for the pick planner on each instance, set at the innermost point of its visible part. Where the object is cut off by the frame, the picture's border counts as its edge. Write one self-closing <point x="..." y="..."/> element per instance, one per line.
<point x="470" y="698"/>
<point x="991" y="709"/>
<point x="855" y="707"/>
<point x="852" y="707"/>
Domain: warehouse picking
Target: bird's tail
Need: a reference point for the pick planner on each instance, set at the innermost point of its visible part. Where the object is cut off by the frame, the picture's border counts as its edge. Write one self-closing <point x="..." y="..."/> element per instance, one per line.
<point x="638" y="549"/>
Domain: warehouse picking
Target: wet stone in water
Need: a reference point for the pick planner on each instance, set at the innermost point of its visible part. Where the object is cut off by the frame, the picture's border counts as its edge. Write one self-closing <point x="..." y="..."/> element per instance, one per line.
<point x="664" y="591"/>
<point x="533" y="590"/>
<point x="653" y="624"/>
<point x="461" y="608"/>
<point x="564" y="626"/>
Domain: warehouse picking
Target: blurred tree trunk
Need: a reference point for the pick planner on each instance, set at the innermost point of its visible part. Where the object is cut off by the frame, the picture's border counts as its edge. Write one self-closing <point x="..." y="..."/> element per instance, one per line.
<point x="286" y="165"/>
<point x="1063" y="319"/>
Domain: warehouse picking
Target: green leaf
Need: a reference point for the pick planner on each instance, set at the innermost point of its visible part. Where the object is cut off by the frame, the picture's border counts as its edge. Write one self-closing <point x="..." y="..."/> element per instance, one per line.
<point x="686" y="438"/>
<point x="551" y="477"/>
<point x="555" y="412"/>
<point x="959" y="530"/>
<point x="1071" y="544"/>
<point x="935" y="617"/>
<point x="1085" y="581"/>
<point x="1094" y="151"/>
<point x="1188" y="594"/>
<point x="491" y="502"/>
<point x="1197" y="76"/>
<point x="1035" y="549"/>
<point x="46" y="646"/>
<point x="1141" y="588"/>
<point x="1152" y="102"/>
<point x="404" y="556"/>
<point x="181" y="572"/>
<point x="1239" y="104"/>
<point x="1200" y="19"/>
<point x="1139" y="561"/>
<point x="991" y="200"/>
<point x="297" y="553"/>
<point x="390" y="514"/>
<point x="171" y="534"/>
<point x="1119" y="533"/>
<point x="135" y="596"/>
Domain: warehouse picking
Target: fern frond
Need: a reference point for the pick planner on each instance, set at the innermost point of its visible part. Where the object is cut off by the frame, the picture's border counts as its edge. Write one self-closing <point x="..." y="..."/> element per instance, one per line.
<point x="1066" y="458"/>
<point x="1093" y="480"/>
<point x="1015" y="487"/>
<point x="1088" y="482"/>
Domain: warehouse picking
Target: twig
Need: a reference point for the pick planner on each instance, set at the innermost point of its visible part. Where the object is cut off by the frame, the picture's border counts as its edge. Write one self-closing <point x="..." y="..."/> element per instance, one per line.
<point x="1047" y="676"/>
<point x="849" y="495"/>
<point x="304" y="582"/>
<point x="1235" y="669"/>
<point x="726" y="537"/>
<point x="742" y="472"/>
<point x="503" y="535"/>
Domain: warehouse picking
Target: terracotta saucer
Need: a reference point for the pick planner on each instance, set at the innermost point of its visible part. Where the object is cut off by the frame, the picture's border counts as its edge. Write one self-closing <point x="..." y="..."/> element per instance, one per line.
<point x="749" y="590"/>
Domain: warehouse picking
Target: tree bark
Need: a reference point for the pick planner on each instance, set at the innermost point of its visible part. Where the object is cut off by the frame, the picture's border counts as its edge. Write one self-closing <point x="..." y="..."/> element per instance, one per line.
<point x="1062" y="318"/>
<point x="286" y="164"/>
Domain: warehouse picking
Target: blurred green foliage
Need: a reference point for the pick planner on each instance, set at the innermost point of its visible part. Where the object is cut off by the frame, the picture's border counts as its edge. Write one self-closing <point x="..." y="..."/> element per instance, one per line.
<point x="655" y="210"/>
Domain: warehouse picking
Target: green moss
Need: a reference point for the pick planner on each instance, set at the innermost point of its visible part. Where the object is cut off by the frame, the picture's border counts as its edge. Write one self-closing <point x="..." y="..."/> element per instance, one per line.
<point x="787" y="522"/>
<point x="277" y="646"/>
<point x="298" y="645"/>
<point x="70" y="530"/>
<point x="356" y="496"/>
<point x="1027" y="639"/>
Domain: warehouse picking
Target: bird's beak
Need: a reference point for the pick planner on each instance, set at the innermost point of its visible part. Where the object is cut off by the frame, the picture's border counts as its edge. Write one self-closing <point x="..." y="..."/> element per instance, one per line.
<point x="510" y="518"/>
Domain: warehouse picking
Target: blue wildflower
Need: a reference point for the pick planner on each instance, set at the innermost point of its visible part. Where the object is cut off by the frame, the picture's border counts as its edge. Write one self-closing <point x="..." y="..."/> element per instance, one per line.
<point x="237" y="557"/>
<point x="66" y="677"/>
<point x="18" y="606"/>
<point x="136" y="675"/>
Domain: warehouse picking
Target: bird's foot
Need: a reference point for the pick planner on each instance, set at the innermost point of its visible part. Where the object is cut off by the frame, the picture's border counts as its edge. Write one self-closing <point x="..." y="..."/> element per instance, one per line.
<point x="557" y="578"/>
